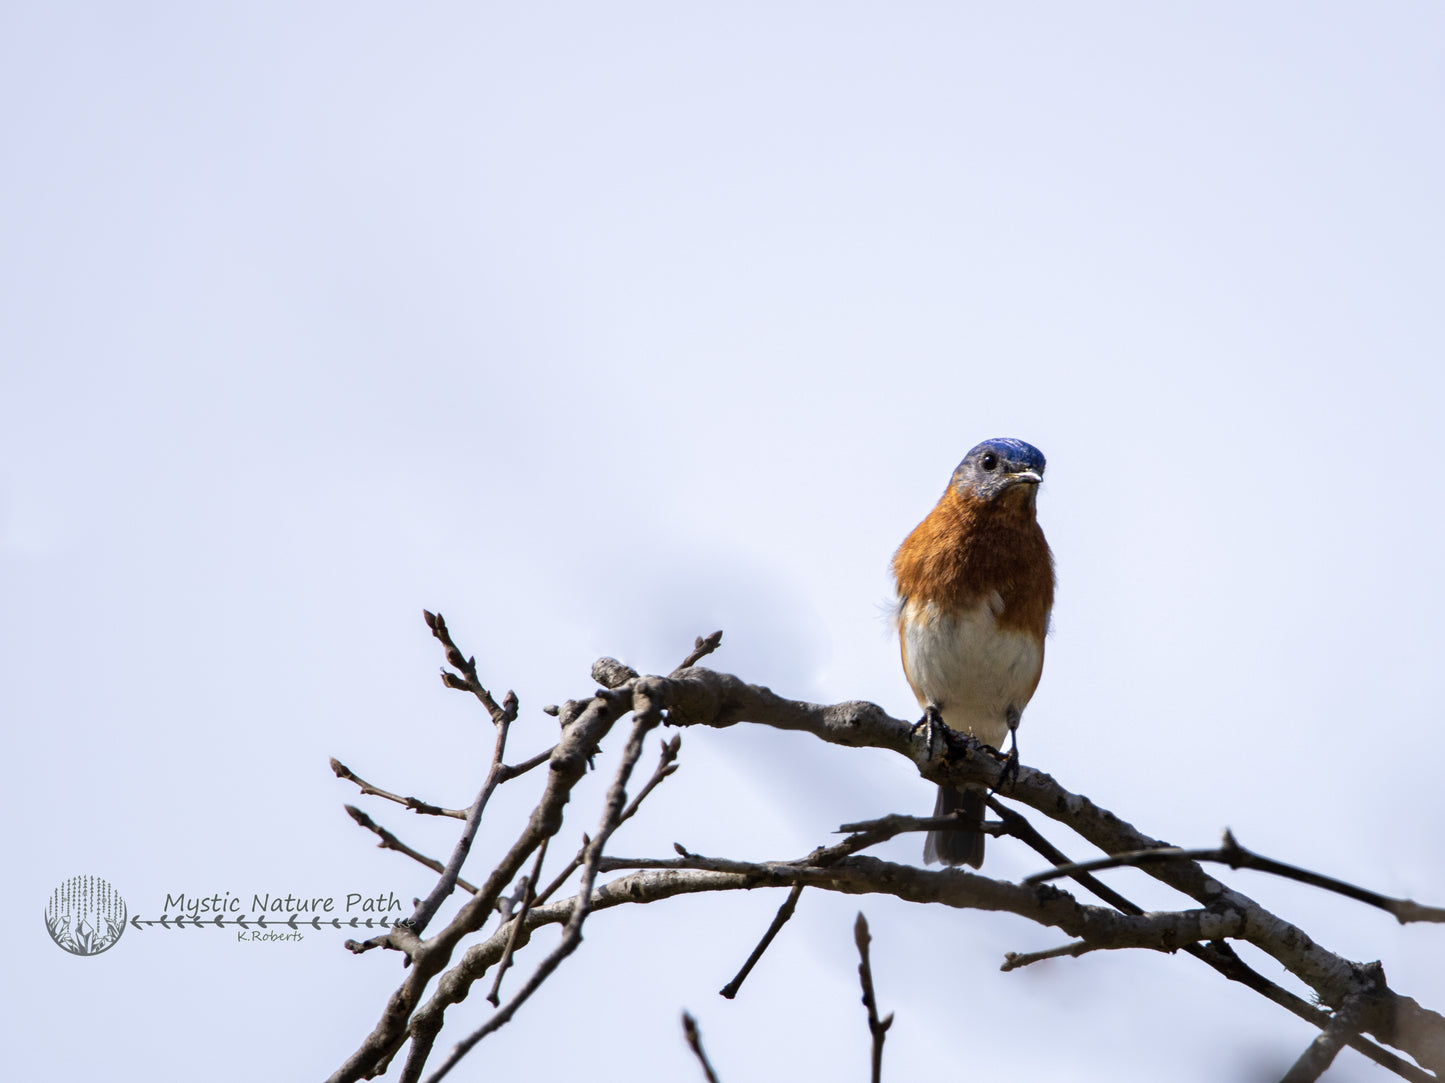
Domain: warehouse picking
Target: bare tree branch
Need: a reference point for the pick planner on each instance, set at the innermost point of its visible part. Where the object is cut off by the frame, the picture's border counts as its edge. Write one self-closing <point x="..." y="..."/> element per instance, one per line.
<point x="666" y="765"/>
<point x="1162" y="931"/>
<point x="695" y="696"/>
<point x="423" y="914"/>
<point x="583" y="726"/>
<point x="610" y="673"/>
<point x="1217" y="955"/>
<point x="1237" y="857"/>
<point x="1014" y="960"/>
<point x="704" y="646"/>
<point x="528" y="898"/>
<point x="509" y="772"/>
<point x="648" y="714"/>
<point x="468" y="681"/>
<point x="781" y="918"/>
<point x="1320" y="1053"/>
<point x="415" y="804"/>
<point x="694" y="1041"/>
<point x="391" y="842"/>
<point x="877" y="1028"/>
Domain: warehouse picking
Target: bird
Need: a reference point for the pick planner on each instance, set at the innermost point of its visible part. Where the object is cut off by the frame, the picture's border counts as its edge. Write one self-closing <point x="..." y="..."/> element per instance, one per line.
<point x="975" y="586"/>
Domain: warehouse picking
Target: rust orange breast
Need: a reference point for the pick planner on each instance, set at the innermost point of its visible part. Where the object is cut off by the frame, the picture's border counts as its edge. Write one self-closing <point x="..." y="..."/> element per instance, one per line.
<point x="967" y="549"/>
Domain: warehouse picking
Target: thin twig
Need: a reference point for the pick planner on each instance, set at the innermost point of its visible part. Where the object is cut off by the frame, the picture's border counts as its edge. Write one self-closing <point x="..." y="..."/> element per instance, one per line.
<point x="1237" y="857"/>
<point x="704" y="646"/>
<point x="1018" y="826"/>
<point x="414" y="803"/>
<point x="781" y="918"/>
<point x="865" y="834"/>
<point x="571" y="867"/>
<point x="694" y="1039"/>
<point x="872" y="832"/>
<point x="391" y="842"/>
<point x="511" y="771"/>
<point x="1013" y="960"/>
<point x="468" y="681"/>
<point x="878" y="1028"/>
<point x="527" y="899"/>
<point x="503" y="716"/>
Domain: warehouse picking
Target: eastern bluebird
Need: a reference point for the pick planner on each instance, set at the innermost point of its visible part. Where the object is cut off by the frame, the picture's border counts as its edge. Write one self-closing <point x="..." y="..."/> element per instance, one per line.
<point x="975" y="587"/>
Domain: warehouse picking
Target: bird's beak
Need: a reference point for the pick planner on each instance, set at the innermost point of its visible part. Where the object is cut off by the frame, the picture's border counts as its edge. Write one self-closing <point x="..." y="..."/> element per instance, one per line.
<point x="1028" y="476"/>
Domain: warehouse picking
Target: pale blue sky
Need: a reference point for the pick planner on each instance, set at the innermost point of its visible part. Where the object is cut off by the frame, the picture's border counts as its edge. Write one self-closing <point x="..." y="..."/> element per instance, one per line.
<point x="598" y="327"/>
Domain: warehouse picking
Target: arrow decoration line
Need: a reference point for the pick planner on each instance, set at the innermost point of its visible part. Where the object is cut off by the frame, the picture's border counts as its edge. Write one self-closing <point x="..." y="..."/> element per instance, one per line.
<point x="181" y="921"/>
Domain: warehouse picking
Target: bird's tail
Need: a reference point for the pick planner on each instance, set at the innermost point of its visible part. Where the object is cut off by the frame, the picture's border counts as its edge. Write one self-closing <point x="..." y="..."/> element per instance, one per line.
<point x="960" y="846"/>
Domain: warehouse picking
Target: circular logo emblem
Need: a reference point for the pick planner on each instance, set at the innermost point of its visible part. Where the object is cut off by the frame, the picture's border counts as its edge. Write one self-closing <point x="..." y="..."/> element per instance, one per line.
<point x="85" y="915"/>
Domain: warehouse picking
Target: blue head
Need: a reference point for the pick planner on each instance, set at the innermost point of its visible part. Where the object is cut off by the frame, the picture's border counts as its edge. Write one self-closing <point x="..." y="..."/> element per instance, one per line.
<point x="997" y="466"/>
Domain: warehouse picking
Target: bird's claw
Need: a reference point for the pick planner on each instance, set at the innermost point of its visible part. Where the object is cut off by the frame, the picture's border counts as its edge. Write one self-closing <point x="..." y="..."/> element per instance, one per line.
<point x="1010" y="773"/>
<point x="932" y="726"/>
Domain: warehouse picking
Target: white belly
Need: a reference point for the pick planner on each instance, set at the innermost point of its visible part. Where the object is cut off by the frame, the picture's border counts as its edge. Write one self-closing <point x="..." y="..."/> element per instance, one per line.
<point x="968" y="668"/>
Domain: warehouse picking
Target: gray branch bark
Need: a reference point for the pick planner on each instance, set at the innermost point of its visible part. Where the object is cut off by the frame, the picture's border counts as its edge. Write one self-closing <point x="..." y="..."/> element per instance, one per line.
<point x="700" y="697"/>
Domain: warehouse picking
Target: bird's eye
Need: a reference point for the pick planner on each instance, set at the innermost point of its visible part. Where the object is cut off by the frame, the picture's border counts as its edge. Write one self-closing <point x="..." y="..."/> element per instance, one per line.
<point x="989" y="461"/>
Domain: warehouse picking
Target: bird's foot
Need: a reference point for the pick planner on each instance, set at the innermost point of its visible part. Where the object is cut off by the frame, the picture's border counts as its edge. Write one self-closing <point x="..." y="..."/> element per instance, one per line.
<point x="933" y="732"/>
<point x="1010" y="773"/>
